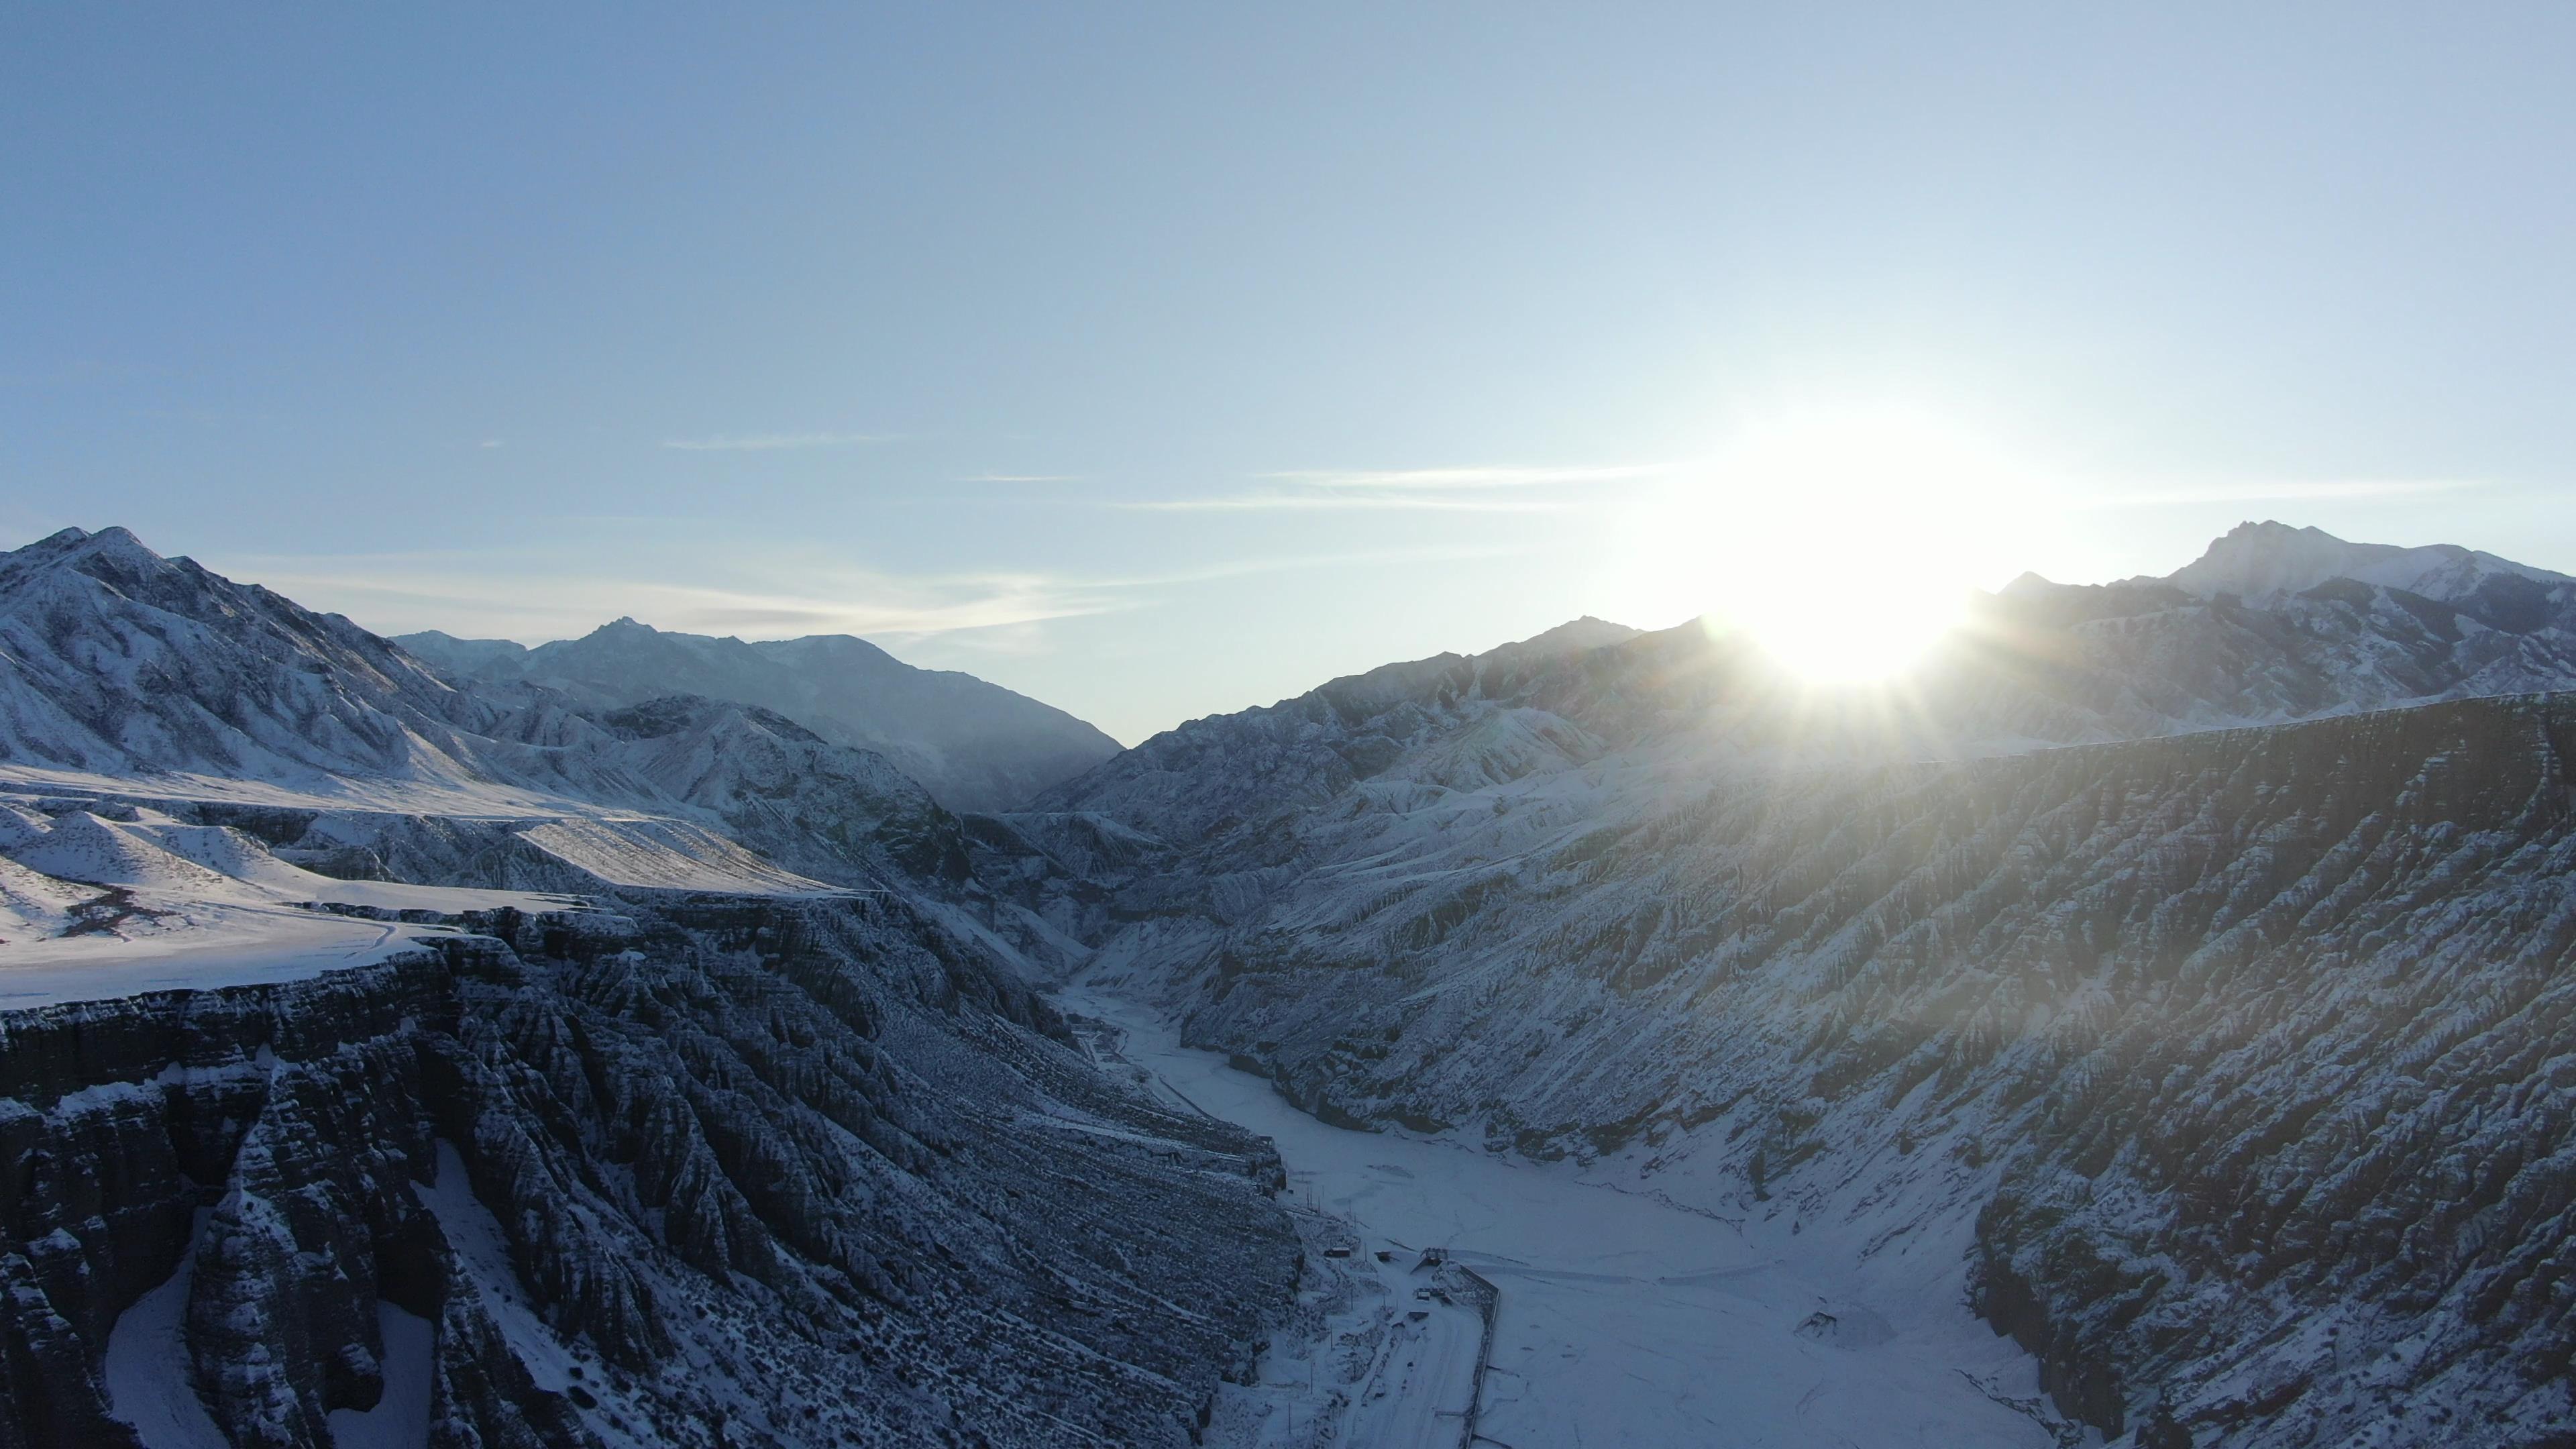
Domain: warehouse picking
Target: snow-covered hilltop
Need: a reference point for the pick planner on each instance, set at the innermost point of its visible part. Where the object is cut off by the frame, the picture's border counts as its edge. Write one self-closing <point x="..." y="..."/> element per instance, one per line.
<point x="2258" y="560"/>
<point x="973" y="745"/>
<point x="152" y="678"/>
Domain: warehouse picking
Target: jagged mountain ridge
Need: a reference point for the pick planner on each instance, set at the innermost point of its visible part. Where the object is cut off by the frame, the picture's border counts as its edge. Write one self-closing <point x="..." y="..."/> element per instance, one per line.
<point x="2039" y="664"/>
<point x="700" y="1152"/>
<point x="128" y="671"/>
<point x="2213" y="1036"/>
<point x="2138" y="1019"/>
<point x="1640" y="899"/>
<point x="973" y="745"/>
<point x="2253" y="560"/>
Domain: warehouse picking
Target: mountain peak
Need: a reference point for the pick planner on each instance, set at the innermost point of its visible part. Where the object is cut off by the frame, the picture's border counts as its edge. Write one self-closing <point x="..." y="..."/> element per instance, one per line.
<point x="2257" y="560"/>
<point x="116" y="543"/>
<point x="1586" y="632"/>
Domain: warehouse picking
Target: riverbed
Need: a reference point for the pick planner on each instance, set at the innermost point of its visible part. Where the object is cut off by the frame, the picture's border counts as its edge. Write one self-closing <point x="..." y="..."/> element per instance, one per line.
<point x="1623" y="1318"/>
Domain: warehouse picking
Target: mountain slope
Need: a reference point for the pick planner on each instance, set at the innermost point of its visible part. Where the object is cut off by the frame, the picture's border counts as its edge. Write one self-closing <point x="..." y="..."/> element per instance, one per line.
<point x="119" y="661"/>
<point x="699" y="1173"/>
<point x="2229" y="1054"/>
<point x="2220" y="1042"/>
<point x="652" y="1138"/>
<point x="125" y="672"/>
<point x="975" y="746"/>
<point x="2257" y="559"/>
<point x="2039" y="664"/>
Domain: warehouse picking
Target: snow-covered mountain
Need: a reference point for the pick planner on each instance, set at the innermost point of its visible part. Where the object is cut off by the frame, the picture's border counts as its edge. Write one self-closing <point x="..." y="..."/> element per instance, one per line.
<point x="2213" y="1052"/>
<point x="973" y="745"/>
<point x="2256" y="560"/>
<point x="387" y="1060"/>
<point x="2174" y="970"/>
<point x="2038" y="664"/>
<point x="131" y="674"/>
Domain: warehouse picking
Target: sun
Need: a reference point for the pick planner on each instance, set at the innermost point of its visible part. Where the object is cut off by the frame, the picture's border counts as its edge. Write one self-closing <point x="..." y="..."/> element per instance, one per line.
<point x="1844" y="541"/>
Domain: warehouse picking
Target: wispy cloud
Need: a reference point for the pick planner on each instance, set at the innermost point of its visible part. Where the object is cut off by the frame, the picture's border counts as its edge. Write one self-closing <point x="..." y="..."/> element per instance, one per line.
<point x="1255" y="502"/>
<point x="399" y="593"/>
<point x="770" y="442"/>
<point x="2267" y="490"/>
<point x="1476" y="489"/>
<point x="438" y="589"/>
<point x="1470" y="478"/>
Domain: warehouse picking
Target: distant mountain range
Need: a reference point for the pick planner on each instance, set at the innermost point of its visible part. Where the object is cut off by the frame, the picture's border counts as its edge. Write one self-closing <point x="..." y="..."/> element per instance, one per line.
<point x="2212" y="1048"/>
<point x="133" y="672"/>
<point x="973" y="745"/>
<point x="396" y="1059"/>
<point x="2181" y="971"/>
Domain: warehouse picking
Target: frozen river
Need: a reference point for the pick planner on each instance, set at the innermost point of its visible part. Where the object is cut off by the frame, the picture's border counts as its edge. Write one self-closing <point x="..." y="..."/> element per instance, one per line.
<point x="1623" y="1319"/>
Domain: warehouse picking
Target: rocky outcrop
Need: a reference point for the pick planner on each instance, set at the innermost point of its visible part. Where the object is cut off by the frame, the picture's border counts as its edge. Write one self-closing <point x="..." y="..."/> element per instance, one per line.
<point x="713" y="1170"/>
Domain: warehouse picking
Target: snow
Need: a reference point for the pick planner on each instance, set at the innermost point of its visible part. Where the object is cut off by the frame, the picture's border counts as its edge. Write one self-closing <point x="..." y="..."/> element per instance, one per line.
<point x="216" y="947"/>
<point x="483" y="1258"/>
<point x="147" y="1370"/>
<point x="2258" y="560"/>
<point x="93" y="908"/>
<point x="1423" y="1384"/>
<point x="400" y="1420"/>
<point x="664" y="855"/>
<point x="483" y="1254"/>
<point x="1623" y="1318"/>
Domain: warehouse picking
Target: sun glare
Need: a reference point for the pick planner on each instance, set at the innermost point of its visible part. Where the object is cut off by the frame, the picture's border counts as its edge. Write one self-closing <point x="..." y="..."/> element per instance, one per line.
<point x="1845" y="542"/>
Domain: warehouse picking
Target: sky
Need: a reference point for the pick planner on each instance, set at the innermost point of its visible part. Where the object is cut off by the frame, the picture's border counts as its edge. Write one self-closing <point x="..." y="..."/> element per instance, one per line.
<point x="1165" y="360"/>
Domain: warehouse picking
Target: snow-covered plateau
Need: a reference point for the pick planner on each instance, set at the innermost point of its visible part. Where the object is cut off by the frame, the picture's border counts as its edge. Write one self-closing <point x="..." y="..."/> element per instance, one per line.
<point x="2148" y="1023"/>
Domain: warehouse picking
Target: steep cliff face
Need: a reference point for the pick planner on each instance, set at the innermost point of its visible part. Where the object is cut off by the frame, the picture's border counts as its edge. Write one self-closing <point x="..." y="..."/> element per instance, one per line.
<point x="712" y="1170"/>
<point x="2245" y="1051"/>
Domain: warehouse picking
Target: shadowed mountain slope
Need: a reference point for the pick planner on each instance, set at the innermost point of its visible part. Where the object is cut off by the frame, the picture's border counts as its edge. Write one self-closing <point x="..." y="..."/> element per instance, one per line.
<point x="973" y="745"/>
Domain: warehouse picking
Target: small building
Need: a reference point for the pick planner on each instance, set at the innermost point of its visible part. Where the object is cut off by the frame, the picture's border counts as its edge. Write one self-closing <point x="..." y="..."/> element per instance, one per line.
<point x="1337" y="1252"/>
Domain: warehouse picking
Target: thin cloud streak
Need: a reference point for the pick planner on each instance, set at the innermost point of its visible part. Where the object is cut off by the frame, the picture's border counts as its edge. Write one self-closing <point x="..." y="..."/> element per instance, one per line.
<point x="443" y="589"/>
<point x="1257" y="502"/>
<point x="1471" y="478"/>
<point x="771" y="442"/>
<point x="2278" y="490"/>
<point x="1209" y="573"/>
<point x="1477" y="489"/>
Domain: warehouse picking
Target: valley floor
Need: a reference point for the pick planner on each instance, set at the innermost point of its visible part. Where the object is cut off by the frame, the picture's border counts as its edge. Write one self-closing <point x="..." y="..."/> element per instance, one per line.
<point x="1623" y="1319"/>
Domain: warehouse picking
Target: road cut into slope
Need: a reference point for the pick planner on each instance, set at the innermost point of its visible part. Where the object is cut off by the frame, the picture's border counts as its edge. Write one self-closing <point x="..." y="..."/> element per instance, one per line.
<point x="1623" y="1318"/>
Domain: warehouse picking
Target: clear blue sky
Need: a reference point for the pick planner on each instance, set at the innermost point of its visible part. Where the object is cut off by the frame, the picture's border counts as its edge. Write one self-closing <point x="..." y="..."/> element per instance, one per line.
<point x="1164" y="360"/>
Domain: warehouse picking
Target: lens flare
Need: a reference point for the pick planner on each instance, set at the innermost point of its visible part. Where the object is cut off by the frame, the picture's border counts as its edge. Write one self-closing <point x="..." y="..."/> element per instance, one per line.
<point x="1845" y="542"/>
